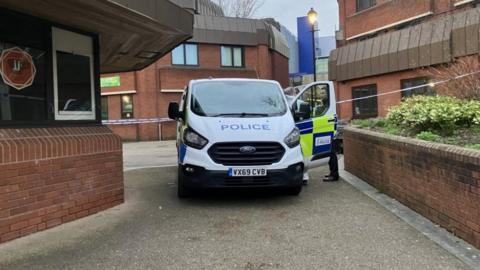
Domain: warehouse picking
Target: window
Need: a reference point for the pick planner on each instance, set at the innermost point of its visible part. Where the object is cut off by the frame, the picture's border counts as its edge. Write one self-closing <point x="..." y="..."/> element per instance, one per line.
<point x="313" y="102"/>
<point x="365" y="4"/>
<point x="368" y="107"/>
<point x="104" y="108"/>
<point x="48" y="72"/>
<point x="237" y="98"/>
<point x="232" y="56"/>
<point x="127" y="107"/>
<point x="185" y="55"/>
<point x="73" y="84"/>
<point x="409" y="83"/>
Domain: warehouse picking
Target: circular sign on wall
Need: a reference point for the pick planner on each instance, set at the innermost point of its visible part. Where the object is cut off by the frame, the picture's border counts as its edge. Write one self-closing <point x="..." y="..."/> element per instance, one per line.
<point x="17" y="68"/>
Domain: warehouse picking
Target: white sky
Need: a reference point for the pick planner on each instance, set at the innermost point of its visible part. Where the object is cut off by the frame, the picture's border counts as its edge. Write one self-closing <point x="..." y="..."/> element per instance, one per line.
<point x="287" y="11"/>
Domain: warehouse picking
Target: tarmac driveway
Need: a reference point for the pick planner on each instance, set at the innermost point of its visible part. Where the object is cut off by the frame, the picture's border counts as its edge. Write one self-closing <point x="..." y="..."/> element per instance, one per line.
<point x="329" y="226"/>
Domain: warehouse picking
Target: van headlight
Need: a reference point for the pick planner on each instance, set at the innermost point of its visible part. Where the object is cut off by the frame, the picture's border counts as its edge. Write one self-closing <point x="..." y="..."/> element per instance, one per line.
<point x="193" y="139"/>
<point x="293" y="139"/>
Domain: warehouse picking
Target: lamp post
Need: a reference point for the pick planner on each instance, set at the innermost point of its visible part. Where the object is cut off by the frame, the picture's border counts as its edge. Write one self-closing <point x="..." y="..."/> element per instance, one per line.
<point x="312" y="18"/>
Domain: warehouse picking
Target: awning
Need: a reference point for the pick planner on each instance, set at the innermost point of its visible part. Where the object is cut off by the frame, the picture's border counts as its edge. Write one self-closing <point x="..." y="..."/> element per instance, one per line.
<point x="133" y="33"/>
<point x="433" y="42"/>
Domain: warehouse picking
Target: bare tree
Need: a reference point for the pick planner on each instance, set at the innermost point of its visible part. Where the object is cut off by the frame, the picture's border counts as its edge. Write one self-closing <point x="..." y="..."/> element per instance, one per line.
<point x="467" y="84"/>
<point x="240" y="8"/>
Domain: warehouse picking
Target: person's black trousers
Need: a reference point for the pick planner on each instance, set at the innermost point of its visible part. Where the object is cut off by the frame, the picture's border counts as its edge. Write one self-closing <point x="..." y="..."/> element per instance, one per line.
<point x="333" y="164"/>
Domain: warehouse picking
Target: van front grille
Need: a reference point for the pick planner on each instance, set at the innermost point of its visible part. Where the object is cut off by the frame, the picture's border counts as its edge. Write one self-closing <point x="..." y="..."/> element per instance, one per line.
<point x="230" y="154"/>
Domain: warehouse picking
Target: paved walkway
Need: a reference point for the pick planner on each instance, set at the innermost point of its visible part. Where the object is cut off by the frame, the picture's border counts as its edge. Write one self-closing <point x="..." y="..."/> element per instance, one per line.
<point x="329" y="226"/>
<point x="149" y="154"/>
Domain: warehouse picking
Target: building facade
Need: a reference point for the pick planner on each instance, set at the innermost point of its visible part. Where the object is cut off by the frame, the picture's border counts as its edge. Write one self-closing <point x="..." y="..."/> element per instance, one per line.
<point x="136" y="104"/>
<point x="58" y="162"/>
<point x="323" y="46"/>
<point x="385" y="46"/>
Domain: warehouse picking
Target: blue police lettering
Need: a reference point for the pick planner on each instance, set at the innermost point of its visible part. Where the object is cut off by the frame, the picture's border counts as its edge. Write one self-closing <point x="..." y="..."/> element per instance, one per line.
<point x="245" y="127"/>
<point x="256" y="127"/>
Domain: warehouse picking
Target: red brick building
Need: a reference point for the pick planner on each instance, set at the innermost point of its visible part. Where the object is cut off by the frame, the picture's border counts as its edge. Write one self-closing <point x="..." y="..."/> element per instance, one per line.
<point x="58" y="162"/>
<point x="221" y="47"/>
<point x="386" y="45"/>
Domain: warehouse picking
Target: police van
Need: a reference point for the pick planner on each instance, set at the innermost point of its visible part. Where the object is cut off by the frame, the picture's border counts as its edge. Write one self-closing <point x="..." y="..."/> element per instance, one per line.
<point x="241" y="133"/>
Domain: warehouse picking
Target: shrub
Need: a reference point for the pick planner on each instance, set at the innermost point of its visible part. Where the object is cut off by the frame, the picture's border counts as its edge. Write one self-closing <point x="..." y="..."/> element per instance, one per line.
<point x="474" y="146"/>
<point x="439" y="113"/>
<point x="428" y="136"/>
<point x="369" y="123"/>
<point x="363" y="123"/>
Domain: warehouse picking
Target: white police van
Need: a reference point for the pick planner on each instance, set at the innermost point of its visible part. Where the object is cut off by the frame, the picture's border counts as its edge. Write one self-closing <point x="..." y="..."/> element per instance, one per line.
<point x="236" y="133"/>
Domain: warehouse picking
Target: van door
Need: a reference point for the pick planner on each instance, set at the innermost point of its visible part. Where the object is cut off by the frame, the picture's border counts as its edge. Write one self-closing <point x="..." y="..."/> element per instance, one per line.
<point x="315" y="116"/>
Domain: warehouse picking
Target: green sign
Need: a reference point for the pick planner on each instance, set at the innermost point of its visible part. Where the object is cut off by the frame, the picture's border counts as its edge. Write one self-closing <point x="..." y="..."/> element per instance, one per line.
<point x="110" y="81"/>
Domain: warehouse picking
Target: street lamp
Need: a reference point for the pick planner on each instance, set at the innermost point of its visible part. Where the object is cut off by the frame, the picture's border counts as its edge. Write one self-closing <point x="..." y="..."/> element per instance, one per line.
<point x="312" y="18"/>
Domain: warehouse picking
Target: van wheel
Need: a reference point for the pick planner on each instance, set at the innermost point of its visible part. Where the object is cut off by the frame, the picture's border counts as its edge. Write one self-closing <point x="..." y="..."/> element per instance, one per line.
<point x="182" y="191"/>
<point x="295" y="191"/>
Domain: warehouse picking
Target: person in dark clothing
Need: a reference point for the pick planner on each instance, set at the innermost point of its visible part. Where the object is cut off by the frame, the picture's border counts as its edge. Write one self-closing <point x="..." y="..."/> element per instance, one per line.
<point x="333" y="165"/>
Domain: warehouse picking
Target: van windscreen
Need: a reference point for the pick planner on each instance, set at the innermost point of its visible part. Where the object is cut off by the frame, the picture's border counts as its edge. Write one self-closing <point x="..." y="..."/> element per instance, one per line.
<point x="237" y="99"/>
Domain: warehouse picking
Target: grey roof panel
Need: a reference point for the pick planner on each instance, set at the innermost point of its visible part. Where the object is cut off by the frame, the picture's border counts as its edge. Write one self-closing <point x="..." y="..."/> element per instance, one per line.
<point x="332" y="65"/>
<point x="459" y="35"/>
<point x="403" y="49"/>
<point x="392" y="51"/>
<point x="447" y="39"/>
<point x="359" y="60"/>
<point x="436" y="45"/>
<point x="425" y="44"/>
<point x="384" y="51"/>
<point x="367" y="59"/>
<point x="377" y="42"/>
<point x="413" y="54"/>
<point x="352" y="50"/>
<point x="472" y="28"/>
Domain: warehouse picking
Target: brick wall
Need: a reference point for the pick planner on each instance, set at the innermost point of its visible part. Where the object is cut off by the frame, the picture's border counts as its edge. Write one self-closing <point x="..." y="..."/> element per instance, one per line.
<point x="438" y="181"/>
<point x="385" y="83"/>
<point x="50" y="176"/>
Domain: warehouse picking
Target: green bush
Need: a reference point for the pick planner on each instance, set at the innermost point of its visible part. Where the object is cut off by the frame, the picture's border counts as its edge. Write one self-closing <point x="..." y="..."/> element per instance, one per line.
<point x="363" y="123"/>
<point x="474" y="146"/>
<point x="428" y="136"/>
<point x="438" y="113"/>
<point x="369" y="123"/>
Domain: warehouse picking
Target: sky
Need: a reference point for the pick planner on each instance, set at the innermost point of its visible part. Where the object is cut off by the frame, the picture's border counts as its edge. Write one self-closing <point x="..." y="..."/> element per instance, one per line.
<point x="287" y="11"/>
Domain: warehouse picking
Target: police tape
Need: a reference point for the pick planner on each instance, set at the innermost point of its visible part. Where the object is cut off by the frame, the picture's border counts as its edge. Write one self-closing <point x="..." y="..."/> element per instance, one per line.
<point x="431" y="84"/>
<point x="136" y="121"/>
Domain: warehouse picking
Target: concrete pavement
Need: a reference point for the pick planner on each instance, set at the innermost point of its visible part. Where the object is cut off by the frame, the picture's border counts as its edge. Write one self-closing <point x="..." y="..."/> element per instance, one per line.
<point x="149" y="154"/>
<point x="329" y="226"/>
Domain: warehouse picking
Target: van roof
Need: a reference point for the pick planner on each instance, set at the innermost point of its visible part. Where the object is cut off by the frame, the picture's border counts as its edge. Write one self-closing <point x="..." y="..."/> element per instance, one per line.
<point x="232" y="79"/>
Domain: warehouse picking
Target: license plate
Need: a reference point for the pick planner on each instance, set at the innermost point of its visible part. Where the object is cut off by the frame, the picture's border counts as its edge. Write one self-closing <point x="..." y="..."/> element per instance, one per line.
<point x="242" y="172"/>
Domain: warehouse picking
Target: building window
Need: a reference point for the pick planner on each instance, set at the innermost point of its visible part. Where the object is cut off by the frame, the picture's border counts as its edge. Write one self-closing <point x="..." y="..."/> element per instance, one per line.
<point x="73" y="73"/>
<point x="127" y="107"/>
<point x="185" y="55"/>
<point x="232" y="56"/>
<point x="365" y="4"/>
<point x="104" y="108"/>
<point x="424" y="90"/>
<point x="368" y="107"/>
<point x="47" y="73"/>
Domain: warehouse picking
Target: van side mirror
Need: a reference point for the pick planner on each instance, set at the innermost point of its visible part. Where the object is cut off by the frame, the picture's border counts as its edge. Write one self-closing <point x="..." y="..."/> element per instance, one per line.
<point x="173" y="111"/>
